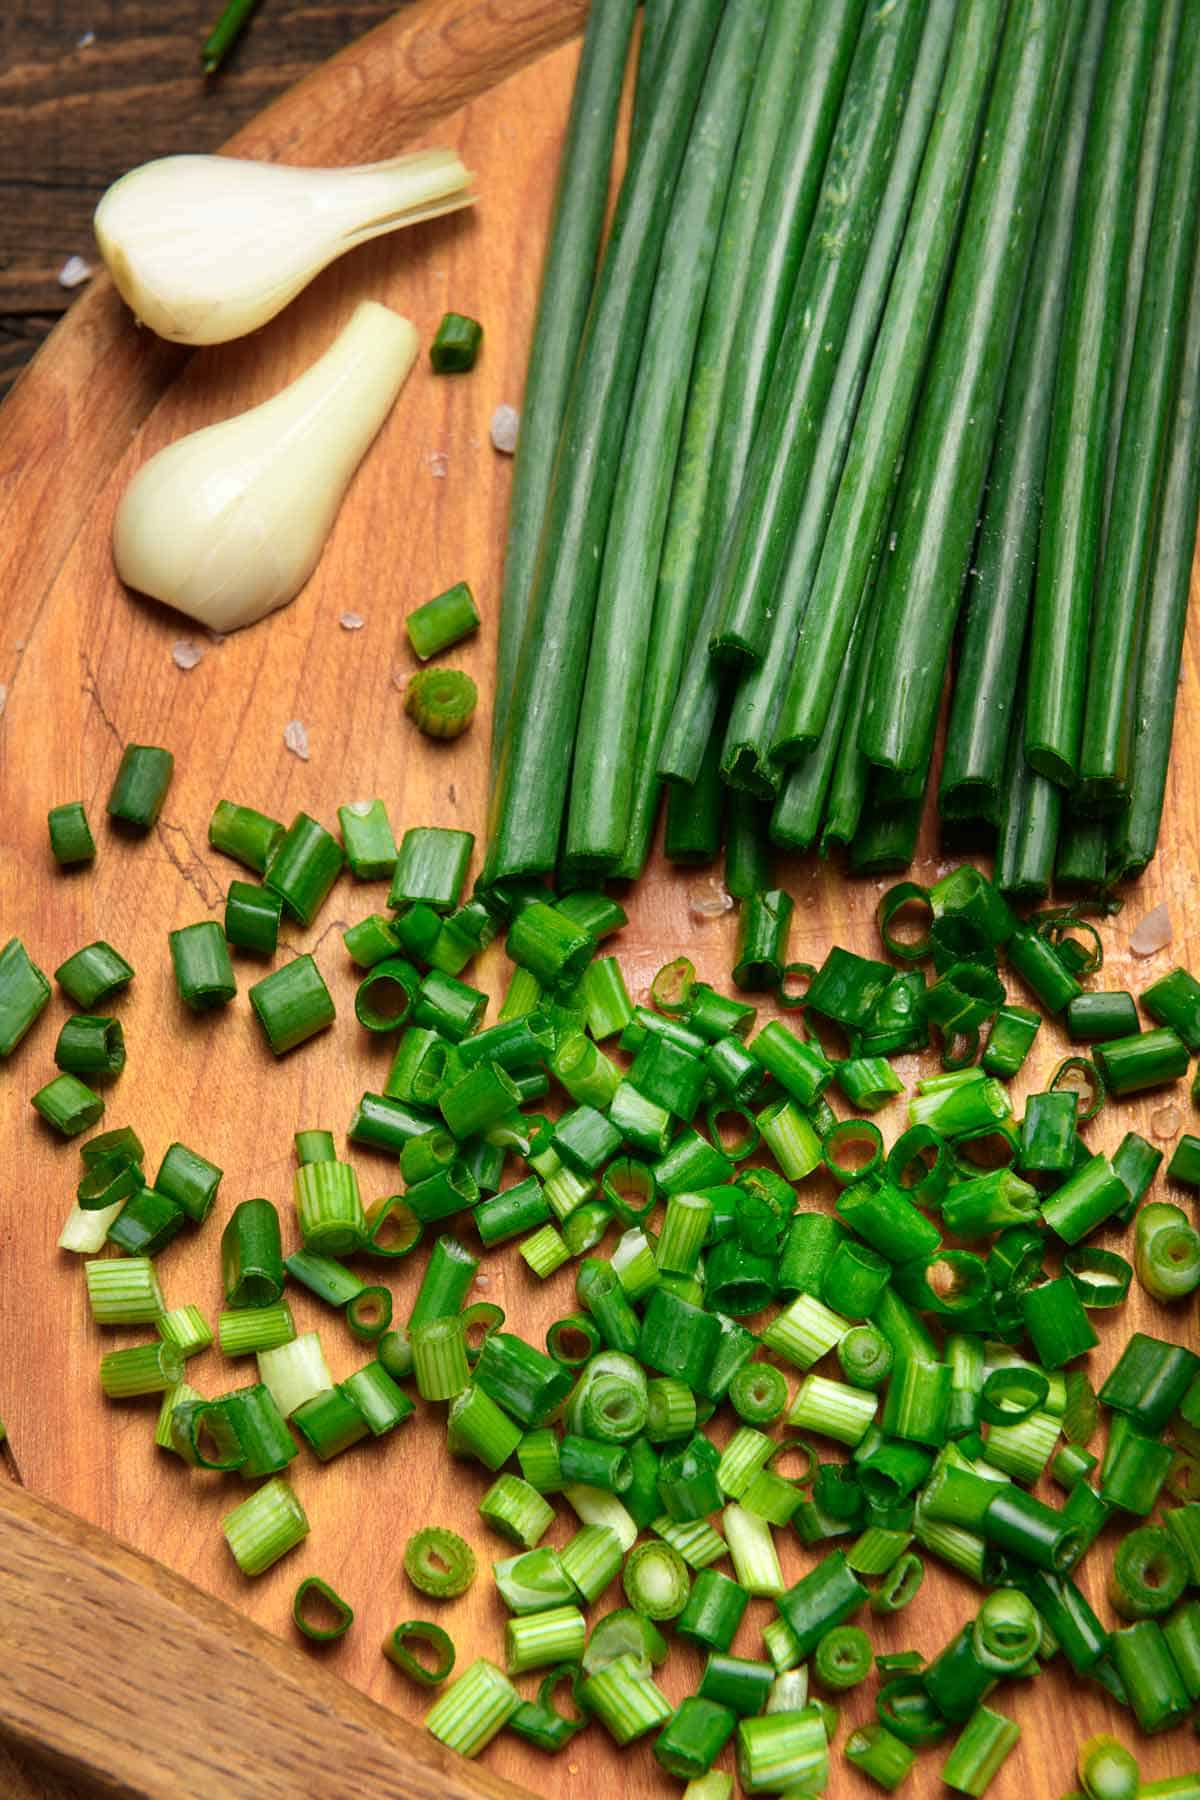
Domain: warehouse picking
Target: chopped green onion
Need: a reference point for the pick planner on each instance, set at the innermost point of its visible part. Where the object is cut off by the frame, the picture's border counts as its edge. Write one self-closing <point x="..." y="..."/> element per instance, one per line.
<point x="469" y="1714"/>
<point x="319" y="1613"/>
<point x="265" y="1527"/>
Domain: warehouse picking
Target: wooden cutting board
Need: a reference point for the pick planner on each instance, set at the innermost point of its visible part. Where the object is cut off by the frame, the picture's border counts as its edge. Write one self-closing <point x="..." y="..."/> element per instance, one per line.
<point x="87" y="668"/>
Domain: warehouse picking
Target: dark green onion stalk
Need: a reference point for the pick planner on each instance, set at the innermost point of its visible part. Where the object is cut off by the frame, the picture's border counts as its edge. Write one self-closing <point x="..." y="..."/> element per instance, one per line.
<point x="824" y="650"/>
<point x="704" y="506"/>
<point x="746" y="759"/>
<point x="1135" y="831"/>
<point x="534" y="766"/>
<point x="753" y="553"/>
<point x="772" y="192"/>
<point x="579" y="205"/>
<point x="946" y="463"/>
<point x="1107" y="718"/>
<point x="1074" y="499"/>
<point x="605" y="745"/>
<point x="974" y="781"/>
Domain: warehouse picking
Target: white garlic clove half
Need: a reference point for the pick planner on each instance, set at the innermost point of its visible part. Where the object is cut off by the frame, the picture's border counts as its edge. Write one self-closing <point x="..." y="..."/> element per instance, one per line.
<point x="207" y="248"/>
<point x="229" y="522"/>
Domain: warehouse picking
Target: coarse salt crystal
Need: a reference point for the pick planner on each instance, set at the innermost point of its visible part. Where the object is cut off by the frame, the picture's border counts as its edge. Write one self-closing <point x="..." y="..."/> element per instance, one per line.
<point x="74" y="272"/>
<point x="351" y="621"/>
<point x="296" y="738"/>
<point x="185" y="654"/>
<point x="1153" y="932"/>
<point x="506" y="423"/>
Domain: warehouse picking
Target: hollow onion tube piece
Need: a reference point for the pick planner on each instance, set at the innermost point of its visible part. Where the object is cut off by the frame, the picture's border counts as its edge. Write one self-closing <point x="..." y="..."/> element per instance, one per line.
<point x="207" y="248"/>
<point x="228" y="523"/>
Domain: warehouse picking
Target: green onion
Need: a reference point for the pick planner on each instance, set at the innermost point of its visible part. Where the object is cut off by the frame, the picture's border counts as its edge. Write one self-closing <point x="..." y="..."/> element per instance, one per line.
<point x="292" y="1004"/>
<point x="439" y="1563"/>
<point x="783" y="1751"/>
<point x="294" y="1372"/>
<point x="842" y="1658"/>
<point x="68" y="1105"/>
<point x="697" y="1733"/>
<point x="469" y="1714"/>
<point x="432" y="1639"/>
<point x="265" y="1527"/>
<point x="123" y="1292"/>
<point x="624" y="1698"/>
<point x="251" y="1255"/>
<point x="655" y="1581"/>
<point x="516" y="1510"/>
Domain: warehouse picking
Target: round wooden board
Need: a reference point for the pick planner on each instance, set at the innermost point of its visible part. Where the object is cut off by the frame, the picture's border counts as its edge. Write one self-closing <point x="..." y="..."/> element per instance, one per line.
<point x="88" y="668"/>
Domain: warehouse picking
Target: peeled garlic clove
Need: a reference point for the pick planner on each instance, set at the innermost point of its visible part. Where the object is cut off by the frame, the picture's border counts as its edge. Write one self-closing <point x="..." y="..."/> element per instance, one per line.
<point x="229" y="522"/>
<point x="207" y="248"/>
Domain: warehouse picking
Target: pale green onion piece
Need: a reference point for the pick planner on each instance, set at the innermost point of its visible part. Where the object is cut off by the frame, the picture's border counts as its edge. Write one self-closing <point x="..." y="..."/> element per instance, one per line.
<point x="177" y="1396"/>
<point x="747" y="1452"/>
<point x="624" y="1699"/>
<point x="295" y="1372"/>
<point x="516" y="1510"/>
<point x="142" y="1369"/>
<point x="698" y="1542"/>
<point x="473" y="1709"/>
<point x="789" y="1690"/>
<point x="545" y="1250"/>
<point x="781" y="1644"/>
<point x="1024" y="1449"/>
<point x="777" y="1752"/>
<point x="187" y="1328"/>
<point x="752" y="1549"/>
<point x="265" y="1527"/>
<point x="595" y="1506"/>
<point x="805" y="1331"/>
<point x="244" y="1329"/>
<point x="86" y="1233"/>
<point x="833" y="1409"/>
<point x="539" y="1640"/>
<point x="123" y="1290"/>
<point x="590" y="1559"/>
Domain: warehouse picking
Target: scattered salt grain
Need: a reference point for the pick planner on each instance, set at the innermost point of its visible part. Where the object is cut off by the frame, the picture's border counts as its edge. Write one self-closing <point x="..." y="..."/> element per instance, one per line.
<point x="438" y="462"/>
<point x="1152" y="933"/>
<point x="296" y="738"/>
<point x="709" y="900"/>
<point x="74" y="272"/>
<point x="185" y="654"/>
<point x="1165" y="1123"/>
<point x="86" y="41"/>
<point x="506" y="422"/>
<point x="351" y="621"/>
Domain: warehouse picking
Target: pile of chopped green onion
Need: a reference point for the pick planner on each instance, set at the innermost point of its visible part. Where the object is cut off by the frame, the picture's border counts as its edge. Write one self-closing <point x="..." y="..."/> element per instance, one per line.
<point x="902" y="1368"/>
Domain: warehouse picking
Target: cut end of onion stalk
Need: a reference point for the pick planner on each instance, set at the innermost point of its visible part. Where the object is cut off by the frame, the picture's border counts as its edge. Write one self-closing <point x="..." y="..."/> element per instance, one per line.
<point x="229" y="522"/>
<point x="207" y="248"/>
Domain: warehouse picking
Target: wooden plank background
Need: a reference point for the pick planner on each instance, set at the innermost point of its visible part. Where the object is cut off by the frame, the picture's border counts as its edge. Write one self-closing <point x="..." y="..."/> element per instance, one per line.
<point x="89" y="668"/>
<point x="90" y="87"/>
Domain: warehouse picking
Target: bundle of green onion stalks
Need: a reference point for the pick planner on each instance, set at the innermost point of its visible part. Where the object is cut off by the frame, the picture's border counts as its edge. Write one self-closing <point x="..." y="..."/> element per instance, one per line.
<point x="889" y="366"/>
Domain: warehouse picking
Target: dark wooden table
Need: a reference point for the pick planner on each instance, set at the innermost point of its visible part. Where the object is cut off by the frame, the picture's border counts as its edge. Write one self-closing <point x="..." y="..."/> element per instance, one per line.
<point x="90" y="87"/>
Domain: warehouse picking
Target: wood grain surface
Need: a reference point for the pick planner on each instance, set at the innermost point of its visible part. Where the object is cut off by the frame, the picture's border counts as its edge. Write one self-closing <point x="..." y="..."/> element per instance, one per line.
<point x="90" y="87"/>
<point x="274" y="1722"/>
<point x="88" y="668"/>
